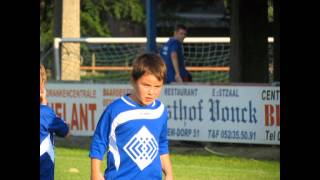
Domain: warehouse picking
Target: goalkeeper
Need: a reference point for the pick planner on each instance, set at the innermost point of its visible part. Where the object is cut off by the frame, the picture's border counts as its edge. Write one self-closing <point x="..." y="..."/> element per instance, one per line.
<point x="172" y="54"/>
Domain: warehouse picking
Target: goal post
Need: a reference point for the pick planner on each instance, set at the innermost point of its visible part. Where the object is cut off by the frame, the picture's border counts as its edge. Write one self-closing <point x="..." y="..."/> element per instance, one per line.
<point x="207" y="58"/>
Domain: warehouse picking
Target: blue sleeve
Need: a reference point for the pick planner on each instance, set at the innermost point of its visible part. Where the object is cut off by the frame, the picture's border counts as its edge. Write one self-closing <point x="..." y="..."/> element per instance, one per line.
<point x="163" y="141"/>
<point x="56" y="124"/>
<point x="100" y="137"/>
<point x="174" y="47"/>
<point x="59" y="126"/>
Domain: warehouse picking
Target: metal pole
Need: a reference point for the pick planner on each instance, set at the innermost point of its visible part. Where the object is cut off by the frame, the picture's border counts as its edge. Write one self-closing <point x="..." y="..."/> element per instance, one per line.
<point x="151" y="28"/>
<point x="57" y="57"/>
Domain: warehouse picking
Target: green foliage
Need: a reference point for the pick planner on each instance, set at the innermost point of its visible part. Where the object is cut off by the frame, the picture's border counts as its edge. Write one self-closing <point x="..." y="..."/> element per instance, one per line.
<point x="270" y="10"/>
<point x="46" y="24"/>
<point x="92" y="24"/>
<point x="123" y="9"/>
<point x="94" y="17"/>
<point x="227" y="5"/>
<point x="46" y="34"/>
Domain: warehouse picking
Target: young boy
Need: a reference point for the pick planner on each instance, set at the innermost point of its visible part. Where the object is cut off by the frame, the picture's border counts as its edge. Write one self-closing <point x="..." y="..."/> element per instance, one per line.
<point x="172" y="54"/>
<point x="133" y="129"/>
<point x="49" y="124"/>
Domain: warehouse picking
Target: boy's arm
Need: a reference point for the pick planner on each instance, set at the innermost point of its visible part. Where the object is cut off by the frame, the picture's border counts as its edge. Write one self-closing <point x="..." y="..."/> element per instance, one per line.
<point x="55" y="123"/>
<point x="69" y="131"/>
<point x="95" y="170"/>
<point x="166" y="166"/>
<point x="99" y="145"/>
<point x="175" y="63"/>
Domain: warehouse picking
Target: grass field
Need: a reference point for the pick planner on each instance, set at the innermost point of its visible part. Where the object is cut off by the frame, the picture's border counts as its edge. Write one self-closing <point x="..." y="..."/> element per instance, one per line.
<point x="74" y="164"/>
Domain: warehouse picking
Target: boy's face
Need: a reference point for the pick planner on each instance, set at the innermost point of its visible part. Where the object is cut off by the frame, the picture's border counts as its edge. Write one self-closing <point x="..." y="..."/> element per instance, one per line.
<point x="180" y="34"/>
<point x="147" y="89"/>
<point x="41" y="84"/>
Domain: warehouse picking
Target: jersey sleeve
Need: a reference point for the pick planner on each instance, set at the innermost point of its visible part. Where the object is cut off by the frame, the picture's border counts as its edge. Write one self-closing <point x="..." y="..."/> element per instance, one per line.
<point x="163" y="141"/>
<point x="174" y="47"/>
<point x="100" y="138"/>
<point x="56" y="124"/>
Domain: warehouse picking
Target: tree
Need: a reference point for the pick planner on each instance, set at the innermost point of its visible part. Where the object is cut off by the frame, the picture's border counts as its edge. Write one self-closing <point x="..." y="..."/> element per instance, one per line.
<point x="46" y="24"/>
<point x="94" y="17"/>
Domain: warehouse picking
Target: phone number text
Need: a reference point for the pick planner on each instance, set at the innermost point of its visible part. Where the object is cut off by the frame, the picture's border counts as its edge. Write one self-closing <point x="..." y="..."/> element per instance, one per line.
<point x="231" y="134"/>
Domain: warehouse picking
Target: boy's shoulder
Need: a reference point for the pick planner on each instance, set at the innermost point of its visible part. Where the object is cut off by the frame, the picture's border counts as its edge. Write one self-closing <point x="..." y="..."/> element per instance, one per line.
<point x="115" y="103"/>
<point x="119" y="104"/>
<point x="45" y="109"/>
<point x="173" y="41"/>
<point x="123" y="103"/>
<point x="47" y="114"/>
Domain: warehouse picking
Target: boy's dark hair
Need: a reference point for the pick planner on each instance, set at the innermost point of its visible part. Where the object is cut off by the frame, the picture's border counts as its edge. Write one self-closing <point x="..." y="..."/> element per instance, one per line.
<point x="180" y="26"/>
<point x="149" y="63"/>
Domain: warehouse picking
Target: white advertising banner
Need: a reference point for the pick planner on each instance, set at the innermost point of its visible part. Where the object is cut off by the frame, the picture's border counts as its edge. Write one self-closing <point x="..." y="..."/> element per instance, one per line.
<point x="235" y="114"/>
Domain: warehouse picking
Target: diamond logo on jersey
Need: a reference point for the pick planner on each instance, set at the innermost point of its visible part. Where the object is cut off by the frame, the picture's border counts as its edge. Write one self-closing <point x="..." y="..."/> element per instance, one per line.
<point x="142" y="148"/>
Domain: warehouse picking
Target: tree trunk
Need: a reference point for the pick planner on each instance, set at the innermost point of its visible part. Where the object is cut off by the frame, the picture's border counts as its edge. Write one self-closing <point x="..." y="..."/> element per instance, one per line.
<point x="70" y="53"/>
<point x="249" y="45"/>
<point x="276" y="63"/>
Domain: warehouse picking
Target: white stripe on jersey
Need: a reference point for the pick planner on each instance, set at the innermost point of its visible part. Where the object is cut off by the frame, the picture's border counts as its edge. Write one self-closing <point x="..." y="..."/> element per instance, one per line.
<point x="128" y="116"/>
<point x="46" y="146"/>
<point x="129" y="103"/>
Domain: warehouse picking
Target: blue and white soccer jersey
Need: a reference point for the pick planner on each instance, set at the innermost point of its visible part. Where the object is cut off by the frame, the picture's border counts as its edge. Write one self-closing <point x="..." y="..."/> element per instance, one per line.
<point x="135" y="137"/>
<point x="173" y="45"/>
<point x="49" y="124"/>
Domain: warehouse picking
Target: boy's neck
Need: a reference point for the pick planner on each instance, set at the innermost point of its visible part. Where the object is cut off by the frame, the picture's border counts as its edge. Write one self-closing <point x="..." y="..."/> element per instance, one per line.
<point x="134" y="98"/>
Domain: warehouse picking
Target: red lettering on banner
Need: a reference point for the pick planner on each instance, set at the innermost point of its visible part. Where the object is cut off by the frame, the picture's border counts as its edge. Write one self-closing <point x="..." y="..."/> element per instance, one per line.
<point x="84" y="117"/>
<point x="270" y="117"/>
<point x="80" y="114"/>
<point x="92" y="108"/>
<point x="74" y="117"/>
<point x="60" y="110"/>
<point x="278" y="114"/>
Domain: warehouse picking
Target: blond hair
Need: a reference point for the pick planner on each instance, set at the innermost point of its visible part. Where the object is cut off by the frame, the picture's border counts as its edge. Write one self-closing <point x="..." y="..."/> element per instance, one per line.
<point x="43" y="79"/>
<point x="43" y="75"/>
